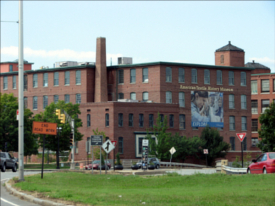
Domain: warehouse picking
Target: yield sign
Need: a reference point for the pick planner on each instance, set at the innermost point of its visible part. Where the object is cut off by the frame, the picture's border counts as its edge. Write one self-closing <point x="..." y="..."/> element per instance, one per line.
<point x="241" y="136"/>
<point x="108" y="146"/>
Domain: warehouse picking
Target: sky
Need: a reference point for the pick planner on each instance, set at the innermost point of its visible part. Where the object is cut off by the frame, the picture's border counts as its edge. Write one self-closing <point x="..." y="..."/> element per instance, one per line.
<point x="177" y="31"/>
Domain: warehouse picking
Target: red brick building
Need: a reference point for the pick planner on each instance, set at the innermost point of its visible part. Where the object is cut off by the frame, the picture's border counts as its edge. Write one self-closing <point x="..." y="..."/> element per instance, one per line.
<point x="124" y="100"/>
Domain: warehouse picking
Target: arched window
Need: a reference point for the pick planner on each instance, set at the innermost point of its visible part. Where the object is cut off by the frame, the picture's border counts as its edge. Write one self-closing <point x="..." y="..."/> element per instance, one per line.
<point x="120" y="145"/>
<point x="88" y="120"/>
<point x="107" y="120"/>
<point x="145" y="96"/>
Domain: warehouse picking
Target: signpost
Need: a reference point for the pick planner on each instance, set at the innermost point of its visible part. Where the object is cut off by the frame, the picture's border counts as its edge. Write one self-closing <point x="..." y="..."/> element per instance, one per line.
<point x="108" y="147"/>
<point x="205" y="151"/>
<point x="145" y="147"/>
<point x="241" y="137"/>
<point x="44" y="128"/>
<point x="96" y="140"/>
<point x="172" y="151"/>
<point x="114" y="143"/>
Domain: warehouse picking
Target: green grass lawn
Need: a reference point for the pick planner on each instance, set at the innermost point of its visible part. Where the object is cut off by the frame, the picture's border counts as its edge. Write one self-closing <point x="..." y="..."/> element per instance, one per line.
<point x="46" y="166"/>
<point x="172" y="189"/>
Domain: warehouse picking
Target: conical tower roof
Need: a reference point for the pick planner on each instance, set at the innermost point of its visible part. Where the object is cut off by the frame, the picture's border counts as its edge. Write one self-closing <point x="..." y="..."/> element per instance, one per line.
<point x="229" y="47"/>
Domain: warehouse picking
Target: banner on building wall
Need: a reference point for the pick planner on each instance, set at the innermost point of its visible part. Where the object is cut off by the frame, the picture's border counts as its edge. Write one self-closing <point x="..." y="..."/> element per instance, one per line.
<point x="207" y="109"/>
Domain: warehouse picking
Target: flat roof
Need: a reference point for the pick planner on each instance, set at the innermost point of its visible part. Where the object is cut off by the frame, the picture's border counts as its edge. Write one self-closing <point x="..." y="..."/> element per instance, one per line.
<point x="261" y="74"/>
<point x="15" y="62"/>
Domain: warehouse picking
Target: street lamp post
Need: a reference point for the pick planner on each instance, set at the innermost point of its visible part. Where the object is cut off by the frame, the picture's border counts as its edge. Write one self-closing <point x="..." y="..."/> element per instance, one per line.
<point x="57" y="159"/>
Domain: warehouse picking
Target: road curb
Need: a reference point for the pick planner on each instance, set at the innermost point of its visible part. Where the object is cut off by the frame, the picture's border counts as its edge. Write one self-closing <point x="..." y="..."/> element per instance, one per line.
<point x="30" y="198"/>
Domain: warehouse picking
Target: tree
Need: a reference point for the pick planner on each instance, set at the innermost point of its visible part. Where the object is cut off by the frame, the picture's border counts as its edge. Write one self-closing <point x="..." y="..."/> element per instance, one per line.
<point x="162" y="144"/>
<point x="267" y="131"/>
<point x="211" y="140"/>
<point x="49" y="115"/>
<point x="9" y="126"/>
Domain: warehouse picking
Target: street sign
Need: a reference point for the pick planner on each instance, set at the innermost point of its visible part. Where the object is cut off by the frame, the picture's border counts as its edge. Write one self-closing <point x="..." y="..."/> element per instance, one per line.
<point x="44" y="128"/>
<point x="145" y="142"/>
<point x="114" y="143"/>
<point x="205" y="151"/>
<point x="172" y="150"/>
<point x="17" y="114"/>
<point x="108" y="146"/>
<point x="96" y="140"/>
<point x="241" y="136"/>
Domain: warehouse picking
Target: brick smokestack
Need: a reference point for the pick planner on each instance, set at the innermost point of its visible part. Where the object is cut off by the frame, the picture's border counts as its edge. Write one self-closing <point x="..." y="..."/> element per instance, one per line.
<point x="101" y="71"/>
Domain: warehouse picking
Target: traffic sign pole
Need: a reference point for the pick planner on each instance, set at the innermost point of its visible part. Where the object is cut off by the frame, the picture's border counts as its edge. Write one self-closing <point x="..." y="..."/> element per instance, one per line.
<point x="92" y="159"/>
<point x="242" y="153"/>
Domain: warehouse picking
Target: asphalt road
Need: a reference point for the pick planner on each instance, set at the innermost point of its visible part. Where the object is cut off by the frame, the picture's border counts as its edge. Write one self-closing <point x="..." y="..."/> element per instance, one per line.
<point x="6" y="198"/>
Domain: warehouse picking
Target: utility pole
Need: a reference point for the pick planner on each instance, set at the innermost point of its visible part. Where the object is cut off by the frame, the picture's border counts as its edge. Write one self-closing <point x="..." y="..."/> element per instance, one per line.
<point x="21" y="95"/>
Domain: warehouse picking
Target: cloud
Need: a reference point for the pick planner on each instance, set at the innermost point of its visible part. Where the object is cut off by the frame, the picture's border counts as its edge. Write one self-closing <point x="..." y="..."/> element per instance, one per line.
<point x="65" y="54"/>
<point x="263" y="60"/>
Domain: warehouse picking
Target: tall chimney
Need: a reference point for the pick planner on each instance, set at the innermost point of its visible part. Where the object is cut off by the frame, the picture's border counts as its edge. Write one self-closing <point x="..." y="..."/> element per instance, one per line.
<point x="101" y="71"/>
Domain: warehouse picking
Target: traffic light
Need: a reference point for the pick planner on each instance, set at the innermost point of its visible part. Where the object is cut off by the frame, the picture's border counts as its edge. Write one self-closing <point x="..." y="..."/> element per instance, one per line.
<point x="62" y="117"/>
<point x="71" y="139"/>
<point x="57" y="112"/>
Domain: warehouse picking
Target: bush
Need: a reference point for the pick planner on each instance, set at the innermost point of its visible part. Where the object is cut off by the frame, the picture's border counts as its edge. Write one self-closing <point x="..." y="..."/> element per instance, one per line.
<point x="118" y="159"/>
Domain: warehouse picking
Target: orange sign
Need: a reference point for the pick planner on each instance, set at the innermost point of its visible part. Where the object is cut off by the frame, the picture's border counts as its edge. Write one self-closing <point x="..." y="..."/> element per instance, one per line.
<point x="44" y="128"/>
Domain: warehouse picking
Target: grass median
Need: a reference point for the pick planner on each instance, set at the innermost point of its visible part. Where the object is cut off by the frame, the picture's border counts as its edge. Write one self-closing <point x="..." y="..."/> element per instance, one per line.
<point x="171" y="189"/>
<point x="46" y="166"/>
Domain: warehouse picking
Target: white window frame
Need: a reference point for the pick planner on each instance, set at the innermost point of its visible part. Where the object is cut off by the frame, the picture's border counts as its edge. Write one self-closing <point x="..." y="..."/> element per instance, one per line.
<point x="181" y="99"/>
<point x="78" y="98"/>
<point x="231" y="80"/>
<point x="168" y="74"/>
<point x="231" y="98"/>
<point x="194" y="76"/>
<point x="254" y="87"/>
<point x="67" y="78"/>
<point x="181" y="75"/>
<point x="145" y="76"/>
<point x="132" y="76"/>
<point x="168" y="97"/>
<point x="45" y="79"/>
<point x="243" y="102"/>
<point x="56" y="79"/>
<point x="243" y="78"/>
<point x="219" y="77"/>
<point x="78" y="77"/>
<point x="14" y="82"/>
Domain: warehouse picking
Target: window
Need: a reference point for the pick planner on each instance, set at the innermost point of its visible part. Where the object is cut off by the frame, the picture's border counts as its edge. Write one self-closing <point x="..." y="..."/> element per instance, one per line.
<point x="45" y="79"/>
<point x="181" y="75"/>
<point x="120" y="96"/>
<point x="254" y="141"/>
<point x="14" y="82"/>
<point x="151" y="120"/>
<point x="254" y="106"/>
<point x="145" y="96"/>
<point x="254" y="125"/>
<point x="67" y="77"/>
<point x="194" y="76"/>
<point x="78" y="98"/>
<point x="88" y="145"/>
<point x="232" y="143"/>
<point x="78" y="77"/>
<point x="168" y="74"/>
<point x="254" y="87"/>
<point x="141" y="120"/>
<point x="121" y="76"/>
<point x="145" y="75"/>
<point x="133" y="76"/>
<point x="171" y="120"/>
<point x="25" y="102"/>
<point x="168" y="97"/>
<point x="243" y="78"/>
<point x="243" y="102"/>
<point x="222" y="59"/>
<point x="120" y="145"/>
<point x="88" y="120"/>
<point x="231" y="78"/>
<point x="133" y="96"/>
<point x="273" y="85"/>
<point x="45" y="101"/>
<point x="206" y="76"/>
<point x="35" y="84"/>
<point x="67" y="98"/>
<point x="181" y="99"/>
<point x="231" y="122"/>
<point x="245" y="143"/>
<point x="182" y="121"/>
<point x="161" y="118"/>
<point x="265" y="105"/>
<point x="107" y="120"/>
<point x="244" y="123"/>
<point x="131" y="120"/>
<point x="11" y="68"/>
<point x="34" y="102"/>
<point x="231" y="101"/>
<point x="5" y="83"/>
<point x="25" y="82"/>
<point x="55" y="98"/>
<point x="56" y="79"/>
<point x="219" y="77"/>
<point x="120" y="120"/>
<point x="265" y="85"/>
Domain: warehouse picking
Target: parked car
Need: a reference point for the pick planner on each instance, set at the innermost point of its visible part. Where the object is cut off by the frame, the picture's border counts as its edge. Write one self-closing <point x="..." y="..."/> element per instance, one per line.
<point x="151" y="159"/>
<point x="7" y="162"/>
<point x="264" y="164"/>
<point x="95" y="165"/>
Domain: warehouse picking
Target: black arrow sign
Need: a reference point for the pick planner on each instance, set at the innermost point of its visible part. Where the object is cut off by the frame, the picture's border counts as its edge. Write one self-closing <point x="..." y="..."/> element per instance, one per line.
<point x="107" y="148"/>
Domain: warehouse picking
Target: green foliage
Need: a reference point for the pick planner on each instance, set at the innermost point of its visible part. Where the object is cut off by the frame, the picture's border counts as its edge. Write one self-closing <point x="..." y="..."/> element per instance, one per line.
<point x="96" y="149"/>
<point x="118" y="159"/>
<point x="267" y="131"/>
<point x="237" y="162"/>
<point x="161" y="146"/>
<point x="9" y="126"/>
<point x="246" y="161"/>
<point x="211" y="140"/>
